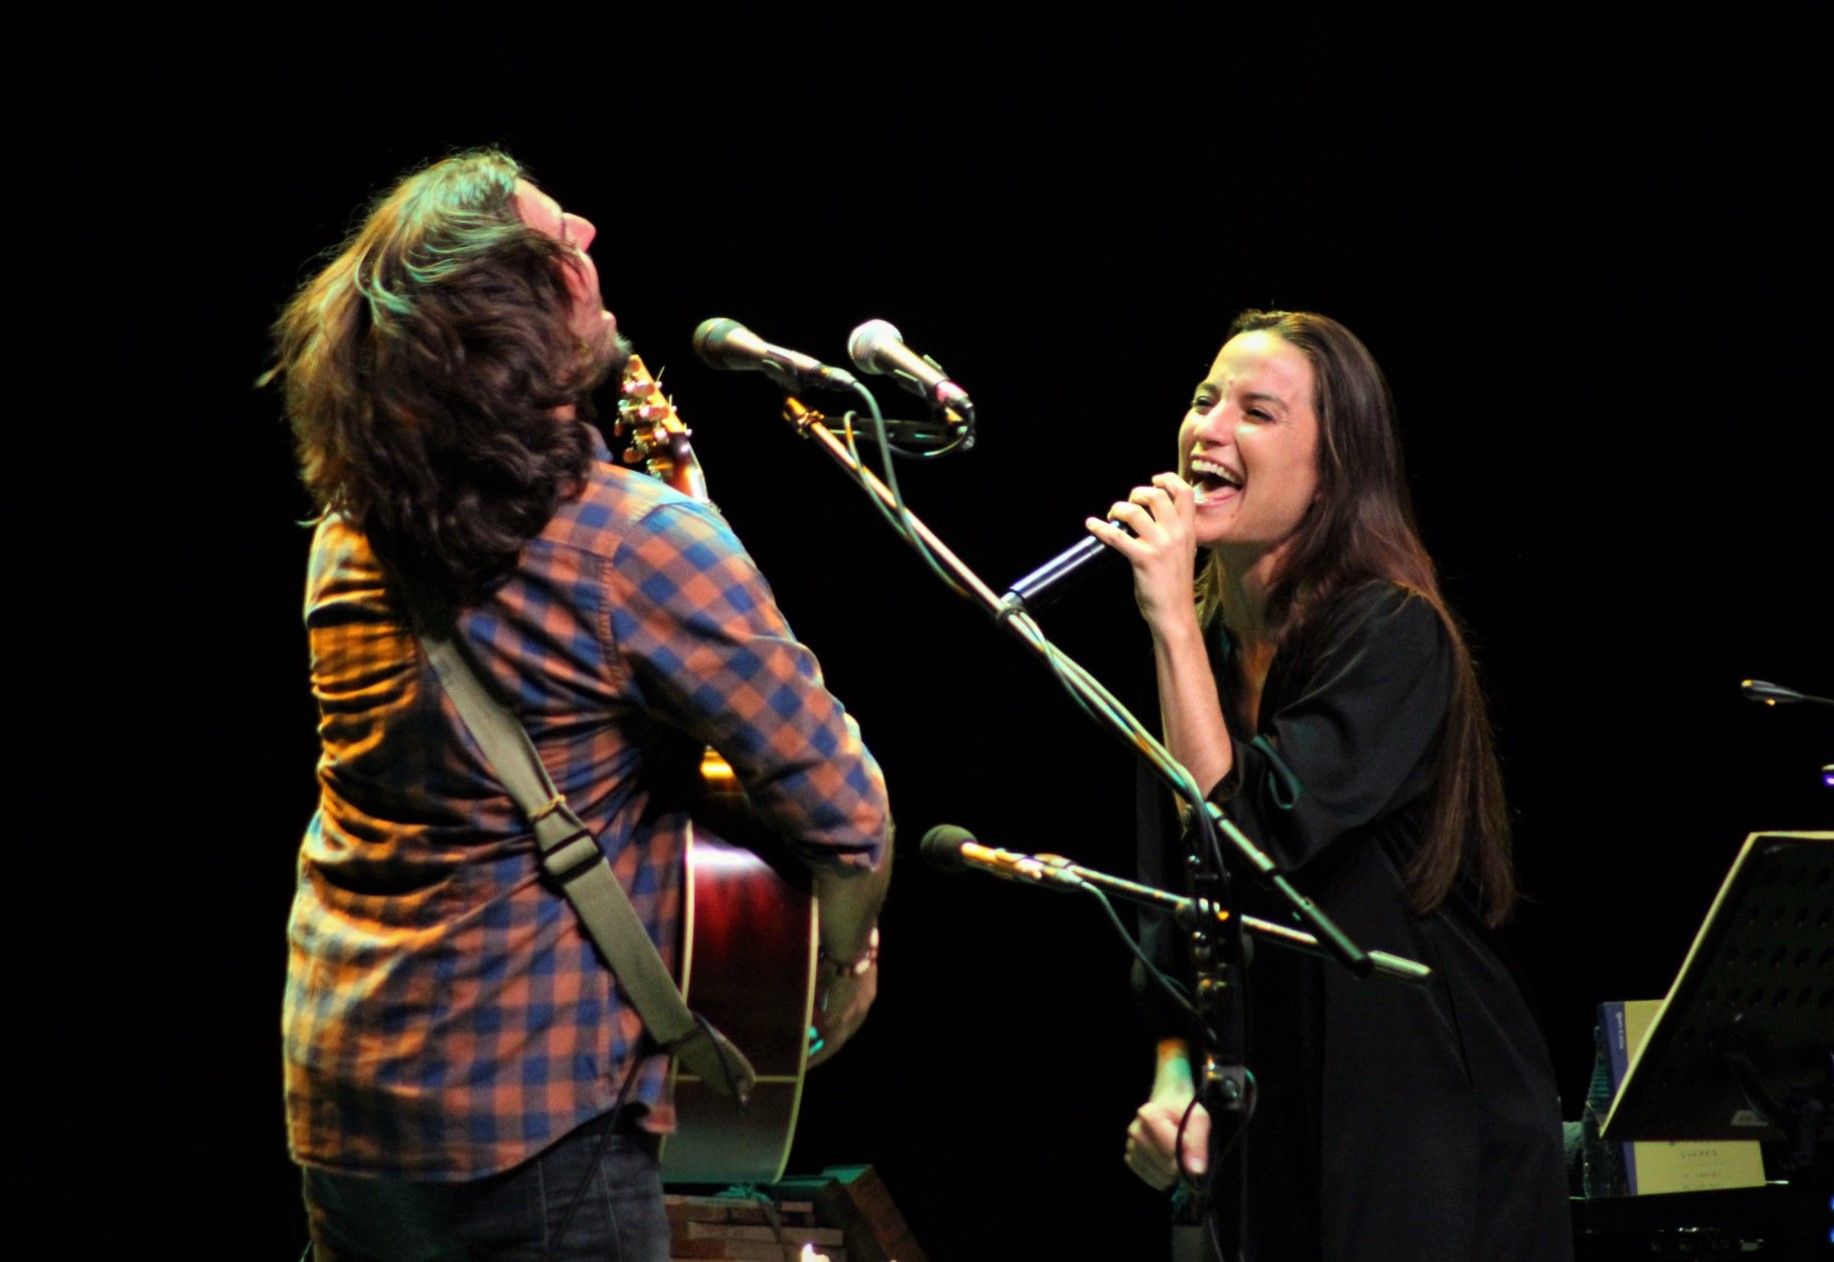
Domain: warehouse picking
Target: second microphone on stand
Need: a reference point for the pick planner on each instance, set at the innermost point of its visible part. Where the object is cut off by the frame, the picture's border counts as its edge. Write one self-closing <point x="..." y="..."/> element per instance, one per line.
<point x="877" y="347"/>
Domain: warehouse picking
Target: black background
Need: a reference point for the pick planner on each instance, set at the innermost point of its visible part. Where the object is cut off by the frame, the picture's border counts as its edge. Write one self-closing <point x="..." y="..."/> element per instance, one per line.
<point x="1591" y="260"/>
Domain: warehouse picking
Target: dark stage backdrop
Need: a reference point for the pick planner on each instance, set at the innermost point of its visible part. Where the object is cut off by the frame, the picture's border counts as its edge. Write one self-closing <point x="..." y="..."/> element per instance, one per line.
<point x="1590" y="260"/>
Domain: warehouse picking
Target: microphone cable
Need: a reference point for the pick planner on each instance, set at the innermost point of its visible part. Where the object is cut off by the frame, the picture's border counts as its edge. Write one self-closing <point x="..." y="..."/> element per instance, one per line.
<point x="897" y="516"/>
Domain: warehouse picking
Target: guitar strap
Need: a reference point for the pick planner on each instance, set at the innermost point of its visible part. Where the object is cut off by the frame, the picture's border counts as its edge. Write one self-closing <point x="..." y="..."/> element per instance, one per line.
<point x="571" y="856"/>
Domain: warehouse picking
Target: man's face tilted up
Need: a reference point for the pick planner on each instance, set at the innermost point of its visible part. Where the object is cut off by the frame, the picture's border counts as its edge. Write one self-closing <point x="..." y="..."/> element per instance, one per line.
<point x="595" y="327"/>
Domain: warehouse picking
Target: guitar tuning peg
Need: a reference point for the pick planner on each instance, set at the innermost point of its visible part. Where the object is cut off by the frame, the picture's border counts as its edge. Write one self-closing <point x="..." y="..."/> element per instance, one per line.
<point x="630" y="456"/>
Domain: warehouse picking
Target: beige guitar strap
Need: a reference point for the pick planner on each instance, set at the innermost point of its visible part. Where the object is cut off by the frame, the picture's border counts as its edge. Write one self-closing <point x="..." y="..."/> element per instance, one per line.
<point x="571" y="856"/>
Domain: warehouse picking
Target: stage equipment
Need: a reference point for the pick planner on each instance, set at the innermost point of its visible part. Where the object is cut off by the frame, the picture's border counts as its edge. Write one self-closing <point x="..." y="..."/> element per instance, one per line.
<point x="1776" y="694"/>
<point x="877" y="347"/>
<point x="1766" y="693"/>
<point x="728" y="346"/>
<point x="950" y="849"/>
<point x="1743" y="1047"/>
<point x="845" y="1211"/>
<point x="856" y="1200"/>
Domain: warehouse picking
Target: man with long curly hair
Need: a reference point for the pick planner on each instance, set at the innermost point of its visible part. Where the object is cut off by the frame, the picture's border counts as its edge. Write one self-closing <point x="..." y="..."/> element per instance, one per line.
<point x="464" y="1077"/>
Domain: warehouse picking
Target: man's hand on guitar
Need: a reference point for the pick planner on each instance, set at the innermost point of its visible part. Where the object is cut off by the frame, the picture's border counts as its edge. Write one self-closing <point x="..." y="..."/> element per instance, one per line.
<point x="845" y="995"/>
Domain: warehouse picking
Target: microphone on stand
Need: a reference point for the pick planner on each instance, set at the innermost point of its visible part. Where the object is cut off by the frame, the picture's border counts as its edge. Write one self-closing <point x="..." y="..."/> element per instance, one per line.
<point x="953" y="849"/>
<point x="728" y="346"/>
<point x="877" y="347"/>
<point x="1776" y="694"/>
<point x="1766" y="693"/>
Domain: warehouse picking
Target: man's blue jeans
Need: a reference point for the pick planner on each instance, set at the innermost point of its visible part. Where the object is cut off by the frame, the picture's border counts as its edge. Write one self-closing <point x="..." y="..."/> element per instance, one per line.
<point x="515" y="1216"/>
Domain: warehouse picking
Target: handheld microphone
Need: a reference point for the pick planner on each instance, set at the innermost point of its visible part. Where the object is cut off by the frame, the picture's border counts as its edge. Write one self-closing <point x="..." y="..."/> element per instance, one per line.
<point x="877" y="347"/>
<point x="728" y="346"/>
<point x="1049" y="581"/>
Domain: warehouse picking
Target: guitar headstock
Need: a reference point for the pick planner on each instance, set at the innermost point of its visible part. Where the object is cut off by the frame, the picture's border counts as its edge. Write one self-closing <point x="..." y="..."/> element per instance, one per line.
<point x="657" y="436"/>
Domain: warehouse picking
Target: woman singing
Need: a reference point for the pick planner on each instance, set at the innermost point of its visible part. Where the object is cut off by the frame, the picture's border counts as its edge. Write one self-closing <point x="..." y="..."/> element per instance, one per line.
<point x="1319" y="689"/>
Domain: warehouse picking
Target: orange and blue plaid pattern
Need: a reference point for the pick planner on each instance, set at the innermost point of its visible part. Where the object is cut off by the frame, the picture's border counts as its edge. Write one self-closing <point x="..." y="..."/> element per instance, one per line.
<point x="446" y="1016"/>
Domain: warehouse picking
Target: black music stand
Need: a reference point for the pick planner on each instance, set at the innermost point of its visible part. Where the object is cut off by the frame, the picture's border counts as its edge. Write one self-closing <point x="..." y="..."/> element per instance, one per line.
<point x="1743" y="1047"/>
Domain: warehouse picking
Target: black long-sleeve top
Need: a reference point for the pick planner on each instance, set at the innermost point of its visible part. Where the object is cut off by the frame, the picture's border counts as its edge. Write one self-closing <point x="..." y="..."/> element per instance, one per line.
<point x="1390" y="1120"/>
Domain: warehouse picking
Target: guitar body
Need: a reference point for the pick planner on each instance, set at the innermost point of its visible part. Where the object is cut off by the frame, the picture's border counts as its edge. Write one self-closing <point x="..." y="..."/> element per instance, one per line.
<point x="749" y="937"/>
<point x="748" y="966"/>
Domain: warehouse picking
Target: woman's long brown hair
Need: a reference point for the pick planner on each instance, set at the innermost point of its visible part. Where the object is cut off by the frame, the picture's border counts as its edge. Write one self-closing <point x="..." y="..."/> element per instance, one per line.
<point x="1361" y="526"/>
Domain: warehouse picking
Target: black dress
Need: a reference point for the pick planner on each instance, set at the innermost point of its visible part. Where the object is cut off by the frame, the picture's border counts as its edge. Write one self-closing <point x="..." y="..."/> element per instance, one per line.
<point x="1391" y="1121"/>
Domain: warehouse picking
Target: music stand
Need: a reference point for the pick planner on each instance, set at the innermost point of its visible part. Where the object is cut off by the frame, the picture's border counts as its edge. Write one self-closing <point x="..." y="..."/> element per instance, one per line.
<point x="1741" y="1048"/>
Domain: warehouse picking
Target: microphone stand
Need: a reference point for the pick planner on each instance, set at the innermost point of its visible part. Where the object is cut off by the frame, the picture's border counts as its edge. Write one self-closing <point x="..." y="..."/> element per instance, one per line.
<point x="1225" y="1087"/>
<point x="1096" y="699"/>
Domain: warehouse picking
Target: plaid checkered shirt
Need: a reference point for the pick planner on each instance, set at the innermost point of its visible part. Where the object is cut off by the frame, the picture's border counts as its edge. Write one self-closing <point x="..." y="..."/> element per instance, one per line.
<point x="446" y="1016"/>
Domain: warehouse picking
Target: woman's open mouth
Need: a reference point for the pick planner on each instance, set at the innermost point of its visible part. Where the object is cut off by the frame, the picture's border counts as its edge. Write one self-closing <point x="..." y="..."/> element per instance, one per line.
<point x="1213" y="482"/>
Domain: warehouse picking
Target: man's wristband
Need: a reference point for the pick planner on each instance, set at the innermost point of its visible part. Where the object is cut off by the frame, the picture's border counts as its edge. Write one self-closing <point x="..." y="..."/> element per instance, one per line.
<point x="827" y="968"/>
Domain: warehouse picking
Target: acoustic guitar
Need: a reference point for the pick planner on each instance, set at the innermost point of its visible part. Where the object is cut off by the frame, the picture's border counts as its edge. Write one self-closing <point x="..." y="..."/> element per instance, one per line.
<point x="749" y="936"/>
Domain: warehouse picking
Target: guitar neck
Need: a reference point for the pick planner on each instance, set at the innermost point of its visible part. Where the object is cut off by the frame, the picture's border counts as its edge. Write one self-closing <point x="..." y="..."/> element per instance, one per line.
<point x="658" y="436"/>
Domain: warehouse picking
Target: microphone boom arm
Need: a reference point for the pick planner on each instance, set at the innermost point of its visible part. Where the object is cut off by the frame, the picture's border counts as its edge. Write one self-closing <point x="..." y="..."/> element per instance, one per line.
<point x="1055" y="872"/>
